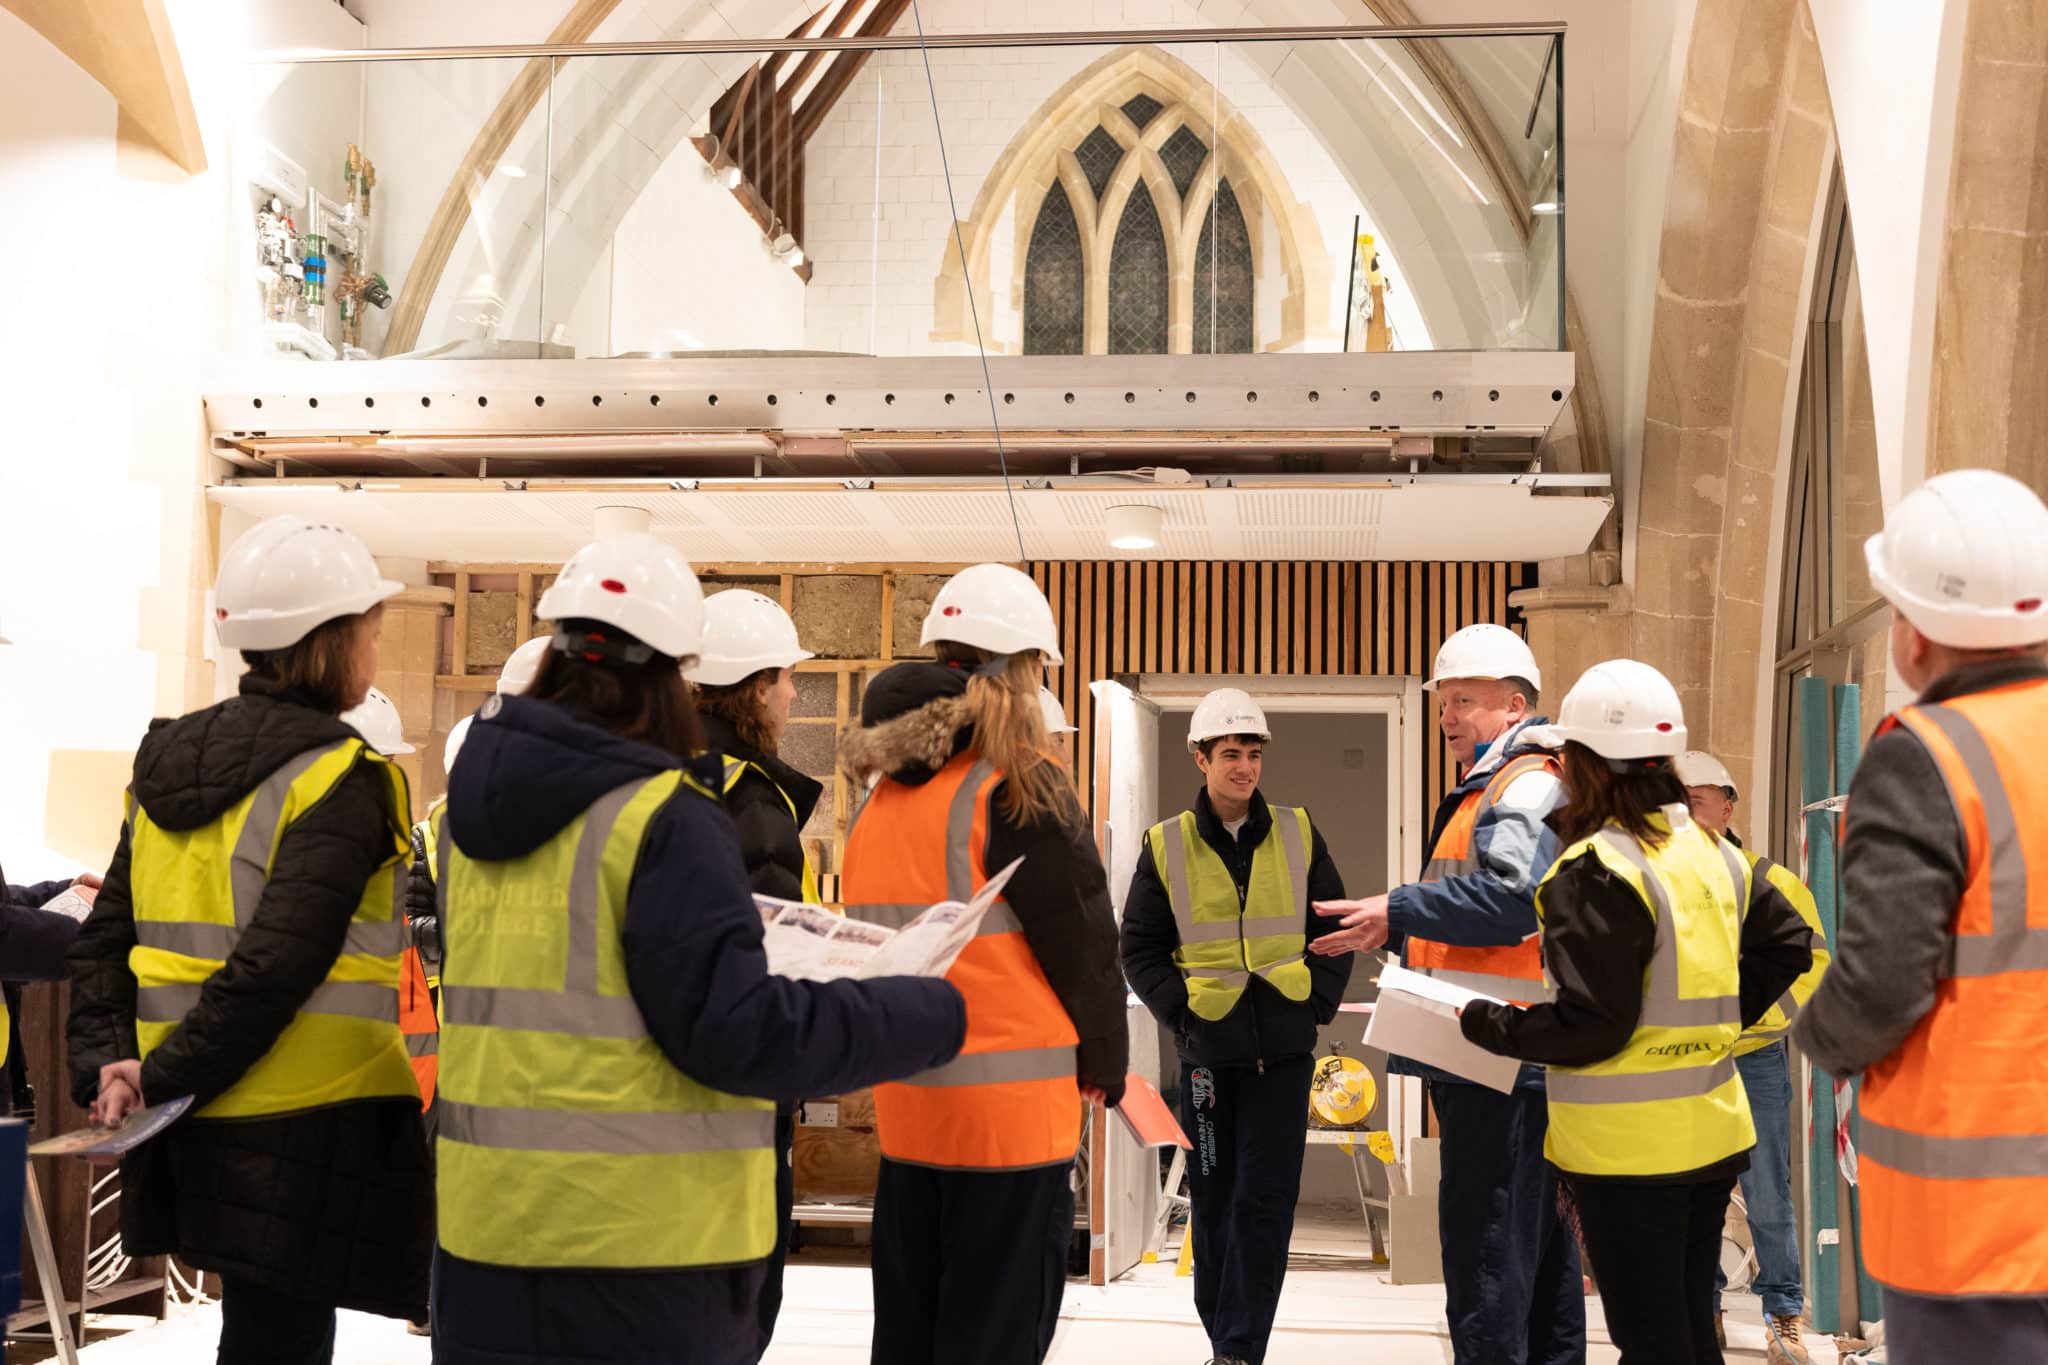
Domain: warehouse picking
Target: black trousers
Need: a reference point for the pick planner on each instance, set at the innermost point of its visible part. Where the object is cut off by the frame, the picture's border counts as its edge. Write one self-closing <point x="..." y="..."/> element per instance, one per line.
<point x="1989" y="1331"/>
<point x="785" y="1201"/>
<point x="1250" y="1127"/>
<point x="1513" y="1289"/>
<point x="1654" y="1250"/>
<point x="259" y="1326"/>
<point x="969" y="1266"/>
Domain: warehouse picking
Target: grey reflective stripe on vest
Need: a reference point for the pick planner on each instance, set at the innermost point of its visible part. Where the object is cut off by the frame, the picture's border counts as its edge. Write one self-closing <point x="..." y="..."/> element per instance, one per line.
<point x="1663" y="1006"/>
<point x="1181" y="897"/>
<point x="541" y="1011"/>
<point x="422" y="1044"/>
<point x="210" y="941"/>
<point x="355" y="999"/>
<point x="2014" y="1156"/>
<point x="994" y="1068"/>
<point x="1487" y="983"/>
<point x="2010" y="946"/>
<point x="1443" y="869"/>
<point x="960" y="833"/>
<point x="1684" y="1083"/>
<point x="665" y="1133"/>
<point x="577" y="1008"/>
<point x="1000" y="919"/>
<point x="249" y="867"/>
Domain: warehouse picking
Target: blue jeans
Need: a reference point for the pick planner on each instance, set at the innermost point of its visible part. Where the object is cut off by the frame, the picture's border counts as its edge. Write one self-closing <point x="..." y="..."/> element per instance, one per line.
<point x="1767" y="1185"/>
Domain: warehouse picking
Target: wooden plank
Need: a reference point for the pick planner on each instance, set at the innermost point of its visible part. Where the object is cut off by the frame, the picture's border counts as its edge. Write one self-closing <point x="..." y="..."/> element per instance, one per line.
<point x="843" y="1161"/>
<point x="818" y="104"/>
<point x="458" y="663"/>
<point x="522" y="624"/>
<point x="788" y="591"/>
<point x="1319" y="628"/>
<point x="889" y="615"/>
<point x="477" y="683"/>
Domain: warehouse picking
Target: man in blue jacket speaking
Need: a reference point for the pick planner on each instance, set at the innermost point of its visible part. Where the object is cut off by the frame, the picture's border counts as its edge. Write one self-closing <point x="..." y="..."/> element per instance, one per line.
<point x="1513" y="1288"/>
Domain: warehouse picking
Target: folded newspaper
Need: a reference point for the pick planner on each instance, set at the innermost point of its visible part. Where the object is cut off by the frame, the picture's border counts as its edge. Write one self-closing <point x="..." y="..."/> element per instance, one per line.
<point x="811" y="943"/>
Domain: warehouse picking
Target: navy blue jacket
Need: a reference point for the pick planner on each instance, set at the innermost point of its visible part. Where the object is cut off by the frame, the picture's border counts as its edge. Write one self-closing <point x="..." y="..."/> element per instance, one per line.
<point x="699" y="975"/>
<point x="33" y="942"/>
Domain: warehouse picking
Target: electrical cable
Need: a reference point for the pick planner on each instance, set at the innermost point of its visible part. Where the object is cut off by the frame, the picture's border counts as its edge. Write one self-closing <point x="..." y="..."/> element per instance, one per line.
<point x="973" y="309"/>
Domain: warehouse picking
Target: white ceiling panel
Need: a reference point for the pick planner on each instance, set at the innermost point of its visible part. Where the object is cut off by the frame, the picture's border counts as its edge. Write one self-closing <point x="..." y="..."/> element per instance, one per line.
<point x="1434" y="519"/>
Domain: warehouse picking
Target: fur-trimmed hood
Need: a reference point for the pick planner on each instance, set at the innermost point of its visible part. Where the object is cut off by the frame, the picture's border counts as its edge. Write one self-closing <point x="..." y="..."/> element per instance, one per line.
<point x="914" y="719"/>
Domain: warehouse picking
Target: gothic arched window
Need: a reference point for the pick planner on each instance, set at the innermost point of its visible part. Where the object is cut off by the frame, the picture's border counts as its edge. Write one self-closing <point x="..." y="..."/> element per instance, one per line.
<point x="1055" y="284"/>
<point x="1138" y="271"/>
<point x="1224" y="280"/>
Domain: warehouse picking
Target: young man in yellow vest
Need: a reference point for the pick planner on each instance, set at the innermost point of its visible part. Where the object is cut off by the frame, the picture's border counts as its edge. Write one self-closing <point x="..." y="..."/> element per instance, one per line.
<point x="1760" y="1057"/>
<point x="1214" y="934"/>
<point x="1938" y="994"/>
<point x="1514" y="1294"/>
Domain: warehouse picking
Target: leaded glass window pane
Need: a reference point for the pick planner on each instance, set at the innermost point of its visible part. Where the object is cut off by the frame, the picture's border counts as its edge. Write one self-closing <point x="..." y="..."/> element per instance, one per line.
<point x="1137" y="280"/>
<point x="1098" y="155"/>
<point x="1183" y="154"/>
<point x="1141" y="110"/>
<point x="1224" y="317"/>
<point x="1055" y="289"/>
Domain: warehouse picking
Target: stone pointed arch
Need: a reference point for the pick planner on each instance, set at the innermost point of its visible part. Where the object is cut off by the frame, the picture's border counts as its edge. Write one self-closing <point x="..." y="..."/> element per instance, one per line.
<point x="1017" y="182"/>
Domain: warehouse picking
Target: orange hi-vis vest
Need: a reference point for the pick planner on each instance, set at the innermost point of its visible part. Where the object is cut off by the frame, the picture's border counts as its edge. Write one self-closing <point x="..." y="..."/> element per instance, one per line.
<point x="1514" y="972"/>
<point x="1954" y="1139"/>
<point x="1010" y="1100"/>
<point x="417" y="1021"/>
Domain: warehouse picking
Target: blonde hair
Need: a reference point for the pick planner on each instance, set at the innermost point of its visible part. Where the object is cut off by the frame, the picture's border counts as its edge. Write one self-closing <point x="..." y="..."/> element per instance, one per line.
<point x="1010" y="735"/>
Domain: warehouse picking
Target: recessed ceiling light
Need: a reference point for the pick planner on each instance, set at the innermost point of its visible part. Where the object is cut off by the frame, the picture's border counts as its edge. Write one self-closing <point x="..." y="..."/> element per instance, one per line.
<point x="1135" y="526"/>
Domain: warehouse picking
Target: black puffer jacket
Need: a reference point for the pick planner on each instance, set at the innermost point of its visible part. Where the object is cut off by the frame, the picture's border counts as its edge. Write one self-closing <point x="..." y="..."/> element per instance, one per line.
<point x="914" y="721"/>
<point x="769" y="838"/>
<point x="333" y="1204"/>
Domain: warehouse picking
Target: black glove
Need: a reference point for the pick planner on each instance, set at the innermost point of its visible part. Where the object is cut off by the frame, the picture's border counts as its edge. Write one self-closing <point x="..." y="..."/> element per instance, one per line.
<point x="1098" y="1064"/>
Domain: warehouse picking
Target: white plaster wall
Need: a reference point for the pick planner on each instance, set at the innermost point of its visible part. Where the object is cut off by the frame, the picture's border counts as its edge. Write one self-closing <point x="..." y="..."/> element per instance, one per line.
<point x="106" y="539"/>
<point x="1894" y="68"/>
<point x="688" y="271"/>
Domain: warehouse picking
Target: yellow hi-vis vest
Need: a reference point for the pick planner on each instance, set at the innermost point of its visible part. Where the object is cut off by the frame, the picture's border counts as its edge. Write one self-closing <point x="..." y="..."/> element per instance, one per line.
<point x="735" y="769"/>
<point x="1777" y="1021"/>
<point x="1225" y="941"/>
<point x="567" y="1137"/>
<point x="1670" y="1101"/>
<point x="195" y="892"/>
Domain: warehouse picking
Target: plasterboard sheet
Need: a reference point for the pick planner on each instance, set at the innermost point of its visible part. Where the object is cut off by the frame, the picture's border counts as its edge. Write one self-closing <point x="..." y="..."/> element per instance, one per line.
<point x="1401" y="522"/>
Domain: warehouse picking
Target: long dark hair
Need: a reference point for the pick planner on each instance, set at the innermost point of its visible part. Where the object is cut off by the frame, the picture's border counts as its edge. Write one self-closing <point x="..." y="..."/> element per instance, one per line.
<point x="1597" y="795"/>
<point x="739" y="705"/>
<point x="319" y="667"/>
<point x="648" y="702"/>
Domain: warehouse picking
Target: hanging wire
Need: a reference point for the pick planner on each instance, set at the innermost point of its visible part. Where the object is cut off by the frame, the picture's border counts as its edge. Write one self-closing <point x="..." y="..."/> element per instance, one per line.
<point x="988" y="383"/>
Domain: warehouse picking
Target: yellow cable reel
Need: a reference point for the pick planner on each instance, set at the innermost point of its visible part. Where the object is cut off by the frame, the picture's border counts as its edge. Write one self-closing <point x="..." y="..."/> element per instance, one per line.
<point x="1342" y="1092"/>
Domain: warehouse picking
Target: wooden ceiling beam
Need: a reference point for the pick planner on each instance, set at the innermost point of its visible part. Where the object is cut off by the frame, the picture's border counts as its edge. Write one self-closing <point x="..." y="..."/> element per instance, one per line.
<point x="842" y="72"/>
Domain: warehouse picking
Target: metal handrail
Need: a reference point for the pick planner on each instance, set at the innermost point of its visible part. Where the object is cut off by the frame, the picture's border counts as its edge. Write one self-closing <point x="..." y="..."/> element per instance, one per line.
<point x="664" y="47"/>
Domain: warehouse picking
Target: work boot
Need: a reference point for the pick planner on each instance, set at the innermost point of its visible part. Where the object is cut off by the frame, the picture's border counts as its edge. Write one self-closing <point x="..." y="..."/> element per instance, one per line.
<point x="1785" y="1347"/>
<point x="1720" y="1330"/>
<point x="1228" y="1360"/>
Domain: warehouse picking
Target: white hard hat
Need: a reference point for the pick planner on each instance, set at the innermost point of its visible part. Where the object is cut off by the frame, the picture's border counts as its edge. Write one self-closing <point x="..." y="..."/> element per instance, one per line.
<point x="1055" y="714"/>
<point x="453" y="744"/>
<point x="996" y="608"/>
<point x="1623" y="709"/>
<point x="288" y="576"/>
<point x="1964" y="558"/>
<point x="1698" y="768"/>
<point x="744" y="633"/>
<point x="1226" y="711"/>
<point x="377" y="720"/>
<point x="516" y="677"/>
<point x="636" y="584"/>
<point x="1484" y="651"/>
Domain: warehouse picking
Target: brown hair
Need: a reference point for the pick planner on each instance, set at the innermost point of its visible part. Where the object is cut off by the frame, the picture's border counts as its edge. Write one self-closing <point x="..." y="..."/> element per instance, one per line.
<point x="1598" y="796"/>
<point x="1207" y="747"/>
<point x="739" y="705"/>
<point x="320" y="666"/>
<point x="1009" y="733"/>
<point x="647" y="702"/>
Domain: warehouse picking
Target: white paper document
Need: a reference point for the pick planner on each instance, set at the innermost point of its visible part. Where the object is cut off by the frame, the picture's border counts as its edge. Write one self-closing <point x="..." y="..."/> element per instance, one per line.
<point x="1417" y="1017"/>
<point x="810" y="943"/>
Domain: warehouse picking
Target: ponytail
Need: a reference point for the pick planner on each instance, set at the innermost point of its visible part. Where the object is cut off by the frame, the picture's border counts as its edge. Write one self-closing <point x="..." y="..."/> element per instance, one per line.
<point x="1010" y="735"/>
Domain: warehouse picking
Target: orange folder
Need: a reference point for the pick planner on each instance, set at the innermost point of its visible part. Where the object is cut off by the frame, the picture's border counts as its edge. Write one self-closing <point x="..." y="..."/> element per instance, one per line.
<point x="1146" y="1116"/>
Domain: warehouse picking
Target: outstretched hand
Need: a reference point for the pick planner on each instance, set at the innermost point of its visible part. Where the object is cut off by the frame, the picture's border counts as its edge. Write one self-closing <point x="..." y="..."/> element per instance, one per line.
<point x="1362" y="926"/>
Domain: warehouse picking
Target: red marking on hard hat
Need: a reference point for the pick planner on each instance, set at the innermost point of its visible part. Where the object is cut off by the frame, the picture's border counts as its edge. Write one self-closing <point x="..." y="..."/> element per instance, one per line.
<point x="220" y="613"/>
<point x="612" y="585"/>
<point x="950" y="611"/>
<point x="2027" y="604"/>
<point x="1664" y="727"/>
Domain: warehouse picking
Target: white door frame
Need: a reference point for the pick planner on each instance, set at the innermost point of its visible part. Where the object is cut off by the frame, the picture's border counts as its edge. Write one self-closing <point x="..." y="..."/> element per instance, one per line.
<point x="1398" y="698"/>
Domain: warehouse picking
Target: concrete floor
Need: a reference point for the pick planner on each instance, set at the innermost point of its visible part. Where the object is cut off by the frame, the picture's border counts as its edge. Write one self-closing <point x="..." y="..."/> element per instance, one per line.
<point x="1337" y="1307"/>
